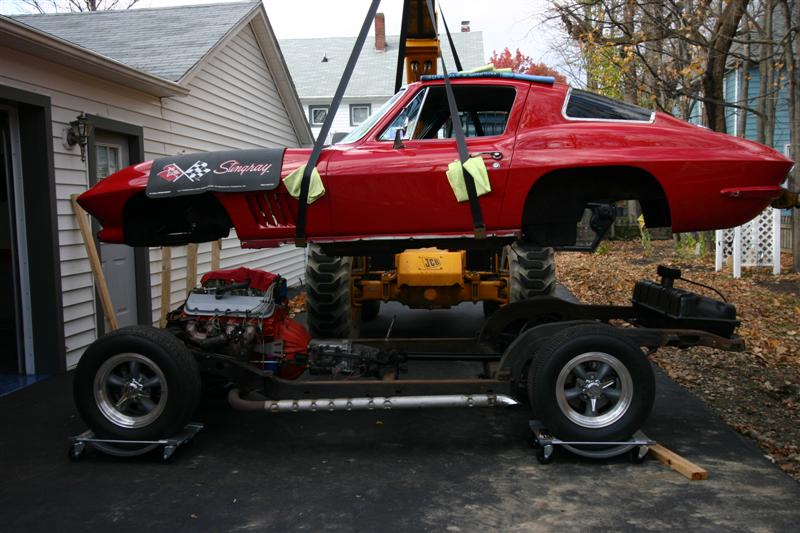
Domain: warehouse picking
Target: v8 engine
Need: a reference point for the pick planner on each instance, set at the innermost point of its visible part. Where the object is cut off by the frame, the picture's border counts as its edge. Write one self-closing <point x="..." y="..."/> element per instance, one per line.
<point x="242" y="314"/>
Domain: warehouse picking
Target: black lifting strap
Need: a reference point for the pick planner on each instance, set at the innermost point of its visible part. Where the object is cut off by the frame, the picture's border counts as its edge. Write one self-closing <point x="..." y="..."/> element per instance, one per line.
<point x="463" y="153"/>
<point x="401" y="50"/>
<point x="473" y="115"/>
<point x="300" y="234"/>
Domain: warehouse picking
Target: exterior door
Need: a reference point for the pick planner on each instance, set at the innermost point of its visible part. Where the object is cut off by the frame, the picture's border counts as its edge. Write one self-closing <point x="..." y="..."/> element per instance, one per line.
<point x="111" y="151"/>
<point x="16" y="325"/>
<point x="9" y="314"/>
<point x="404" y="190"/>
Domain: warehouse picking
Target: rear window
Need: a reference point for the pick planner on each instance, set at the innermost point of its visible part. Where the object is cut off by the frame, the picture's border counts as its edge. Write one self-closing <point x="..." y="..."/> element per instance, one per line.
<point x="590" y="106"/>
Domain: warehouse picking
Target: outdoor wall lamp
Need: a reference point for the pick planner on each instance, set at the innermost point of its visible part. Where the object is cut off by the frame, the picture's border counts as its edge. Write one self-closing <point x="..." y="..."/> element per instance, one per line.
<point x="78" y="133"/>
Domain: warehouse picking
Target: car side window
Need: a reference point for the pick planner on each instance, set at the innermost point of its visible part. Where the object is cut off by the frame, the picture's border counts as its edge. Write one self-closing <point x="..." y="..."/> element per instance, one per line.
<point x="406" y="119"/>
<point x="483" y="111"/>
<point x="583" y="105"/>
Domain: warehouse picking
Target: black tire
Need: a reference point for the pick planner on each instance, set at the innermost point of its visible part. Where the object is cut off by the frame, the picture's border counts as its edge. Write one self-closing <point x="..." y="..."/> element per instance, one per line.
<point x="329" y="296"/>
<point x="532" y="270"/>
<point x="582" y="349"/>
<point x="370" y="310"/>
<point x="97" y="387"/>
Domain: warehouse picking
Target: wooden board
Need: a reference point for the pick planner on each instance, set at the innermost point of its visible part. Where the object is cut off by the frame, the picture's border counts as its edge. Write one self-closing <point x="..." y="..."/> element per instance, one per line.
<point x="94" y="263"/>
<point x="216" y="246"/>
<point x="678" y="463"/>
<point x="191" y="267"/>
<point x="166" y="284"/>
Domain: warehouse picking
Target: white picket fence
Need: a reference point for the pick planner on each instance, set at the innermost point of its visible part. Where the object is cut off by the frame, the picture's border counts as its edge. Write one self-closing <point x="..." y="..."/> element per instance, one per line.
<point x="755" y="244"/>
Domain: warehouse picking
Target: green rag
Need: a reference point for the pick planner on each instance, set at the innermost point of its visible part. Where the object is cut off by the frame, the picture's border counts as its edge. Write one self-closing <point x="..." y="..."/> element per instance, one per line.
<point x="316" y="189"/>
<point x="477" y="169"/>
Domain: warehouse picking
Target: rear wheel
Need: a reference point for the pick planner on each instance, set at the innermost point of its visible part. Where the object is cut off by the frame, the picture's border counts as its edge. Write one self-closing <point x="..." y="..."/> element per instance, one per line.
<point x="329" y="296"/>
<point x="532" y="270"/>
<point x="137" y="383"/>
<point x="590" y="383"/>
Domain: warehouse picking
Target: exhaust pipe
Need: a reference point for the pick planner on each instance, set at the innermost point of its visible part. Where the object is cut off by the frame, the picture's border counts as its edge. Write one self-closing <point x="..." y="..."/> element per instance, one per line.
<point x="370" y="403"/>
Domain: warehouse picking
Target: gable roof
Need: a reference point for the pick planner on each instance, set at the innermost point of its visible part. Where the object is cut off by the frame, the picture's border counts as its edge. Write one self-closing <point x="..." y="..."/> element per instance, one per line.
<point x="164" y="42"/>
<point x="374" y="74"/>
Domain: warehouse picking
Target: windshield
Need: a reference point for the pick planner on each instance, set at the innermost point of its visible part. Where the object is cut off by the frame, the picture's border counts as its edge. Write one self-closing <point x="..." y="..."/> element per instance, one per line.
<point x="365" y="126"/>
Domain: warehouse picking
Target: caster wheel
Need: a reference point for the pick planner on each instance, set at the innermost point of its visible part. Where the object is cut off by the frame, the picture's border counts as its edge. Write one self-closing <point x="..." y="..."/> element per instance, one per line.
<point x="168" y="455"/>
<point x="544" y="455"/>
<point x="637" y="456"/>
<point x="75" y="452"/>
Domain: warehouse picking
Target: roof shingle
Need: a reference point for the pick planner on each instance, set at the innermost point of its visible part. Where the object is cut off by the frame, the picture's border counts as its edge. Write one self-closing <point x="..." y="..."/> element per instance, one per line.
<point x="165" y="42"/>
<point x="374" y="74"/>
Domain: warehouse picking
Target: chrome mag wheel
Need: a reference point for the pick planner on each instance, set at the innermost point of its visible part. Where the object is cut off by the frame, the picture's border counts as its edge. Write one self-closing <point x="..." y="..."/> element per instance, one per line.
<point x="130" y="390"/>
<point x="594" y="390"/>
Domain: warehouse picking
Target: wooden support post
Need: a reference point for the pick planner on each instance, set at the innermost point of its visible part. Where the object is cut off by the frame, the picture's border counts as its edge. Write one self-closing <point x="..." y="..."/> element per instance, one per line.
<point x="678" y="463"/>
<point x="216" y="246"/>
<point x="191" y="267"/>
<point x="94" y="263"/>
<point x="166" y="284"/>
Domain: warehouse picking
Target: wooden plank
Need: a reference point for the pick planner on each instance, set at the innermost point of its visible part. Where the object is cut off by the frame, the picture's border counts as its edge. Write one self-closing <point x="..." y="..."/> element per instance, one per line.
<point x="215" y="250"/>
<point x="191" y="267"/>
<point x="166" y="284"/>
<point x="679" y="464"/>
<point x="94" y="263"/>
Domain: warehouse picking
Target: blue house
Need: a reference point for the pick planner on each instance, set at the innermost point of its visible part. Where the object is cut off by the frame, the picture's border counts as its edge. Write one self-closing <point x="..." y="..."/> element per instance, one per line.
<point x="734" y="93"/>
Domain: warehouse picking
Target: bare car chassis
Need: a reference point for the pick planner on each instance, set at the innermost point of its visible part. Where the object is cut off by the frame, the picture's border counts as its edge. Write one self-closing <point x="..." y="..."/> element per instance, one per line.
<point x="583" y="369"/>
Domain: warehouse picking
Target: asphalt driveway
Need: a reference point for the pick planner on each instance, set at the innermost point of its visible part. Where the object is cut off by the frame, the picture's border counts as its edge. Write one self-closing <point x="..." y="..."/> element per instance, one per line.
<point x="442" y="470"/>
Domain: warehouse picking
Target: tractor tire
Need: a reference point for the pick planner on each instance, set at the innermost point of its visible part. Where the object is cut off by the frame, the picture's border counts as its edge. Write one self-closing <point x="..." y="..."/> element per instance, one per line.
<point x="137" y="383"/>
<point x="532" y="270"/>
<point x="329" y="296"/>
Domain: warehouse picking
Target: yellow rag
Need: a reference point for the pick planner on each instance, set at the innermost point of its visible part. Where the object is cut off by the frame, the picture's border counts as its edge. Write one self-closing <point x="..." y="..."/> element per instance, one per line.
<point x="477" y="169"/>
<point x="316" y="189"/>
<point x="489" y="67"/>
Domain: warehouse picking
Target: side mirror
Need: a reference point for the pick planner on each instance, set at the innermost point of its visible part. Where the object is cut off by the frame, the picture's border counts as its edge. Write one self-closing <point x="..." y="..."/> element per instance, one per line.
<point x="398" y="139"/>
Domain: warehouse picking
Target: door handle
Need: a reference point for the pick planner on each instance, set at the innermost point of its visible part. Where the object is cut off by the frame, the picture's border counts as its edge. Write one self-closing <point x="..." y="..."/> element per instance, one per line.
<point x="497" y="156"/>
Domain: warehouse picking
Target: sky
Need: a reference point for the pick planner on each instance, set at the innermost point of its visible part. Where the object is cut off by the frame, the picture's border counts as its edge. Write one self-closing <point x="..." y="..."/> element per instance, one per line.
<point x="504" y="23"/>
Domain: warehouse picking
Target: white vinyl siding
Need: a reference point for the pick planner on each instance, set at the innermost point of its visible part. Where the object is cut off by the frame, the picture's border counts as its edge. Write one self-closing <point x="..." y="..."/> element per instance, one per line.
<point x="233" y="103"/>
<point x="341" y="122"/>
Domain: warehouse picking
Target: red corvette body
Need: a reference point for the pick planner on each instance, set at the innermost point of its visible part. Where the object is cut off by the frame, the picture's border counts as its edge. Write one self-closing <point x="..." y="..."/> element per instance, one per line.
<point x="543" y="164"/>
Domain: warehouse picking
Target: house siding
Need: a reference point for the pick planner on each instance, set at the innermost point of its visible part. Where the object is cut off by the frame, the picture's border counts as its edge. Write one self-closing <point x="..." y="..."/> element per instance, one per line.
<point x="233" y="103"/>
<point x="733" y="81"/>
<point x="341" y="122"/>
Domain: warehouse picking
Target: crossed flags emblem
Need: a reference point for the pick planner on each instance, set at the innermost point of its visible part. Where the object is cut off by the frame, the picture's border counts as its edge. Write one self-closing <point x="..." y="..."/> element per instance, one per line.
<point x="173" y="172"/>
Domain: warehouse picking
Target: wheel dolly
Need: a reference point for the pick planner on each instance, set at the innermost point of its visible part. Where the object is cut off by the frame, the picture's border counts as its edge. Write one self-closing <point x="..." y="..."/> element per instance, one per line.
<point x="132" y="448"/>
<point x="544" y="444"/>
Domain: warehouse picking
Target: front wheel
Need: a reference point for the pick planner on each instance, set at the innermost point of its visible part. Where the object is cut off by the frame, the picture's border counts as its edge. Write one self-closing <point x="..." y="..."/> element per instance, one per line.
<point x="590" y="383"/>
<point x="137" y="383"/>
<point x="329" y="302"/>
<point x="532" y="270"/>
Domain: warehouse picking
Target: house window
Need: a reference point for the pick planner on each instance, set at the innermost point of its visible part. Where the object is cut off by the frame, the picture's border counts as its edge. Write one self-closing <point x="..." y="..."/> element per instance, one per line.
<point x="317" y="114"/>
<point x="107" y="159"/>
<point x="359" y="113"/>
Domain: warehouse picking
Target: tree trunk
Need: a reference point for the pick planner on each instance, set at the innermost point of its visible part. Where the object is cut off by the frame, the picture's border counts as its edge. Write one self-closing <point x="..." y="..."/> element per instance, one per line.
<point x="744" y="89"/>
<point x="792" y="53"/>
<point x="718" y="51"/>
